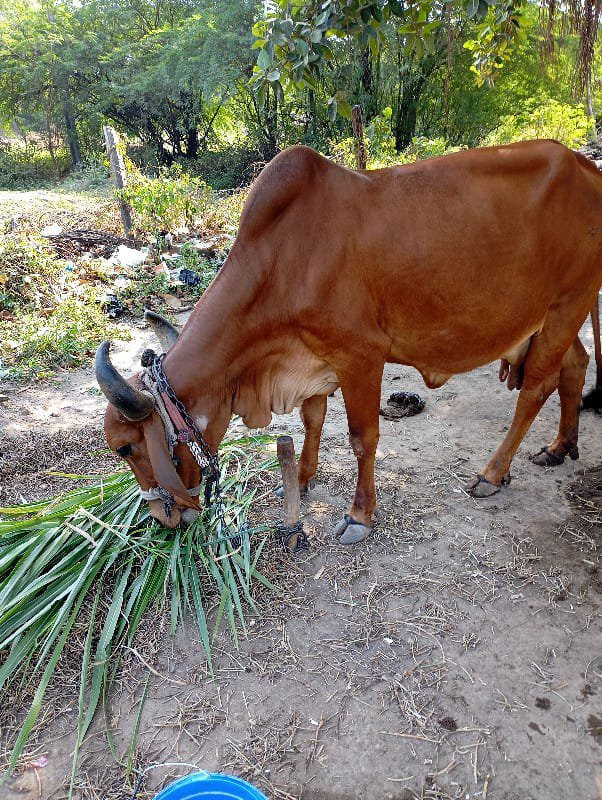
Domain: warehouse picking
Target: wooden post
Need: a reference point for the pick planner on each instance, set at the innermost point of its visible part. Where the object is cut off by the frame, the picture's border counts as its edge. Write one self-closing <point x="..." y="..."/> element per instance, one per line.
<point x="358" y="135"/>
<point x="285" y="449"/>
<point x="119" y="175"/>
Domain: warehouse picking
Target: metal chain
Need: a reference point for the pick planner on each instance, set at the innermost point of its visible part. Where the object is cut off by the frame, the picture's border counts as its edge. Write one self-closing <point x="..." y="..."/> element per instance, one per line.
<point x="210" y="468"/>
<point x="199" y="449"/>
<point x="208" y="461"/>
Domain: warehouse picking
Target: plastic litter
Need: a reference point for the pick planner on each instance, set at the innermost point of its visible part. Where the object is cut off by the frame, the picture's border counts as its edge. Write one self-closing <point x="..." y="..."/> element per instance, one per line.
<point x="52" y="230"/>
<point x="112" y="306"/>
<point x="128" y="257"/>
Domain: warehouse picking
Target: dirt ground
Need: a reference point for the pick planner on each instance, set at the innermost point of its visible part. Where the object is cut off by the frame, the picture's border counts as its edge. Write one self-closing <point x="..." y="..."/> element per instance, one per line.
<point x="457" y="653"/>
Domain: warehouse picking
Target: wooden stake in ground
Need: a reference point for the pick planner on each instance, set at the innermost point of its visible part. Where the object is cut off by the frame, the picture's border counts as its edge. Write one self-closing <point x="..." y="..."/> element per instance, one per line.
<point x="291" y="531"/>
<point x="119" y="175"/>
<point x="358" y="135"/>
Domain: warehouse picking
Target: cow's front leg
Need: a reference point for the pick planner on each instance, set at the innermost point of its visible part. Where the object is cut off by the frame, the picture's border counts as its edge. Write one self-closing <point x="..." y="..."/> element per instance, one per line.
<point x="362" y="402"/>
<point x="313" y="412"/>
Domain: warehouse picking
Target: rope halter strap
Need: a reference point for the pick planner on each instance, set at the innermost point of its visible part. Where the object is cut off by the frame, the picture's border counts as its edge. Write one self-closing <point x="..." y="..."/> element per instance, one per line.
<point x="180" y="428"/>
<point x="158" y="493"/>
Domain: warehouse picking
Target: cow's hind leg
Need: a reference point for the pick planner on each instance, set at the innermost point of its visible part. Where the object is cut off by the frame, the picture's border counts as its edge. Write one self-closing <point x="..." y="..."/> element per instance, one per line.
<point x="570" y="386"/>
<point x="541" y="378"/>
<point x="362" y="402"/>
<point x="313" y="412"/>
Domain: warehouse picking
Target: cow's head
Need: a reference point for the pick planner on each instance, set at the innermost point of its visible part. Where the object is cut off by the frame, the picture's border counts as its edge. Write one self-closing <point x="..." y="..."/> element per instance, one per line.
<point x="135" y="432"/>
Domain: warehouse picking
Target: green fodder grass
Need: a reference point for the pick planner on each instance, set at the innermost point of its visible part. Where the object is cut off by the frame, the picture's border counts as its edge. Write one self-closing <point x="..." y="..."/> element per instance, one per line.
<point x="60" y="555"/>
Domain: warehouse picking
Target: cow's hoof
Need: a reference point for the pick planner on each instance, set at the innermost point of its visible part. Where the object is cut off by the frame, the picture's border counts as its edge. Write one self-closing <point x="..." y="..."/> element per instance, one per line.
<point x="481" y="487"/>
<point x="350" y="531"/>
<point x="545" y="458"/>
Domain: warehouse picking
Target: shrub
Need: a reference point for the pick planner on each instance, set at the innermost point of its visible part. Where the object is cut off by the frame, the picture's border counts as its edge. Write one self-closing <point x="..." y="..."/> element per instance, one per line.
<point x="30" y="274"/>
<point x="222" y="214"/>
<point x="551" y="119"/>
<point x="22" y="167"/>
<point x="166" y="202"/>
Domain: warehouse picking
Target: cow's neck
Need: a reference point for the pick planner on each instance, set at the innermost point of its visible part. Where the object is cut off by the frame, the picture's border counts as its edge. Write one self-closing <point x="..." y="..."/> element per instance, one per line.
<point x="236" y="355"/>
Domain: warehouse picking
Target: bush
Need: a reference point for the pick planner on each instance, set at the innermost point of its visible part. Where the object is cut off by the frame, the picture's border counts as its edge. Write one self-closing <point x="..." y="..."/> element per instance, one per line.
<point x="30" y="274"/>
<point x="222" y="214"/>
<point x="380" y="147"/>
<point x="23" y="167"/>
<point x="230" y="168"/>
<point x="164" y="203"/>
<point x="31" y="345"/>
<point x="551" y="119"/>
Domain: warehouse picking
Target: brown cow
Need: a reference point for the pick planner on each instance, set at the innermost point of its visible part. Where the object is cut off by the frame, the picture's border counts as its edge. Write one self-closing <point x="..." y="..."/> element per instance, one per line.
<point x="444" y="265"/>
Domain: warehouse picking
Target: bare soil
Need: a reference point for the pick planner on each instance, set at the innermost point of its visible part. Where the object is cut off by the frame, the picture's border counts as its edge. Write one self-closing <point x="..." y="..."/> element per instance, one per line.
<point x="457" y="653"/>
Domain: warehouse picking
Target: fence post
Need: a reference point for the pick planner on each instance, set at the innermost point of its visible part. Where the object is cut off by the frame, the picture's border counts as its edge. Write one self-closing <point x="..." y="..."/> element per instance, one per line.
<point x="358" y="135"/>
<point x="119" y="175"/>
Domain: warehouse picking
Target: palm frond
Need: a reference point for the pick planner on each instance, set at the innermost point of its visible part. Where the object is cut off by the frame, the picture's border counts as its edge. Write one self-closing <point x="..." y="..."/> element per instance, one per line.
<point x="98" y="543"/>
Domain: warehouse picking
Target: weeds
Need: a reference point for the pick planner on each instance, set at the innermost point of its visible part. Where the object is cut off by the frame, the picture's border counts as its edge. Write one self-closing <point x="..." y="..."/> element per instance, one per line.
<point x="32" y="345"/>
<point x="172" y="199"/>
<point x="22" y="167"/>
<point x="29" y="273"/>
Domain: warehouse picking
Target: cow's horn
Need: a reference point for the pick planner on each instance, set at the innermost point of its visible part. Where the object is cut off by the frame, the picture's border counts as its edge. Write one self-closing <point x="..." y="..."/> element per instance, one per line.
<point x="132" y="403"/>
<point x="165" y="332"/>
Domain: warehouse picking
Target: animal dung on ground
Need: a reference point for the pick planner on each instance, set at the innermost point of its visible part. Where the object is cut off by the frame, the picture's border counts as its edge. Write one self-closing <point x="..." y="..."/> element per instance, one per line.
<point x="402" y="404"/>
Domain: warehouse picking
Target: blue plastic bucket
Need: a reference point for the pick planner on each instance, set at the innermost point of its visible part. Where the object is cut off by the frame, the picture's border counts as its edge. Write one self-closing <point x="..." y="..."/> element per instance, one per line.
<point x="210" y="786"/>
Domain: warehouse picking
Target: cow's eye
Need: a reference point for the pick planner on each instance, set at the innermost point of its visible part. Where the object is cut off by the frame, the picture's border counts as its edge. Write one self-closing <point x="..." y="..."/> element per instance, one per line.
<point x="124" y="451"/>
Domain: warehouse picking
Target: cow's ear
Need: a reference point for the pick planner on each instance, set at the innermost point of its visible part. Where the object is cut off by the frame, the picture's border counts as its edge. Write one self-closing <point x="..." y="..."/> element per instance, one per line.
<point x="163" y="468"/>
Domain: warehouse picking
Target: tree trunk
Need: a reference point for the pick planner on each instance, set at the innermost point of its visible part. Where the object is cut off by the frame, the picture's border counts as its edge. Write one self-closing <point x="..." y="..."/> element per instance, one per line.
<point x="70" y="127"/>
<point x="271" y="126"/>
<point x="192" y="142"/>
<point x="313" y="117"/>
<point x="358" y="135"/>
<point x="406" y="118"/>
<point x="367" y="80"/>
<point x="589" y="105"/>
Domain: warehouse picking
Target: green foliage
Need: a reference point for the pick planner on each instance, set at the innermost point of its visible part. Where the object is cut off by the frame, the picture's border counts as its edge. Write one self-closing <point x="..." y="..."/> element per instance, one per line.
<point x="189" y="258"/>
<point x="22" y="167"/>
<point x="30" y="274"/>
<point x="166" y="202"/>
<point x="174" y="79"/>
<point x="423" y="147"/>
<point x="31" y="345"/>
<point x="223" y="213"/>
<point x="567" y="123"/>
<point x="295" y="39"/>
<point x="145" y="292"/>
<point x="58" y="556"/>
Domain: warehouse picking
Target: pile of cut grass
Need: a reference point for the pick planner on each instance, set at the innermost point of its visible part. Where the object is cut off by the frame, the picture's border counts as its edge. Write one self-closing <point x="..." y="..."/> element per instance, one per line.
<point x="98" y="542"/>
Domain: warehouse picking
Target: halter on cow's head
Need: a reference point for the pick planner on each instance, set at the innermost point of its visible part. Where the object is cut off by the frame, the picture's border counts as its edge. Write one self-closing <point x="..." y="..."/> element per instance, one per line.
<point x="149" y="428"/>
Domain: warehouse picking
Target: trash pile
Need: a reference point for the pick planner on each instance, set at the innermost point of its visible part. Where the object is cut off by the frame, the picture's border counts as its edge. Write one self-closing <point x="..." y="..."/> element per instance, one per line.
<point x="170" y="273"/>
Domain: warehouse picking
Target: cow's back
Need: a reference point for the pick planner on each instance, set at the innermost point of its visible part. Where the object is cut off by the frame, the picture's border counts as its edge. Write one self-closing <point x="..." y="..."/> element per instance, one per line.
<point x="474" y="245"/>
